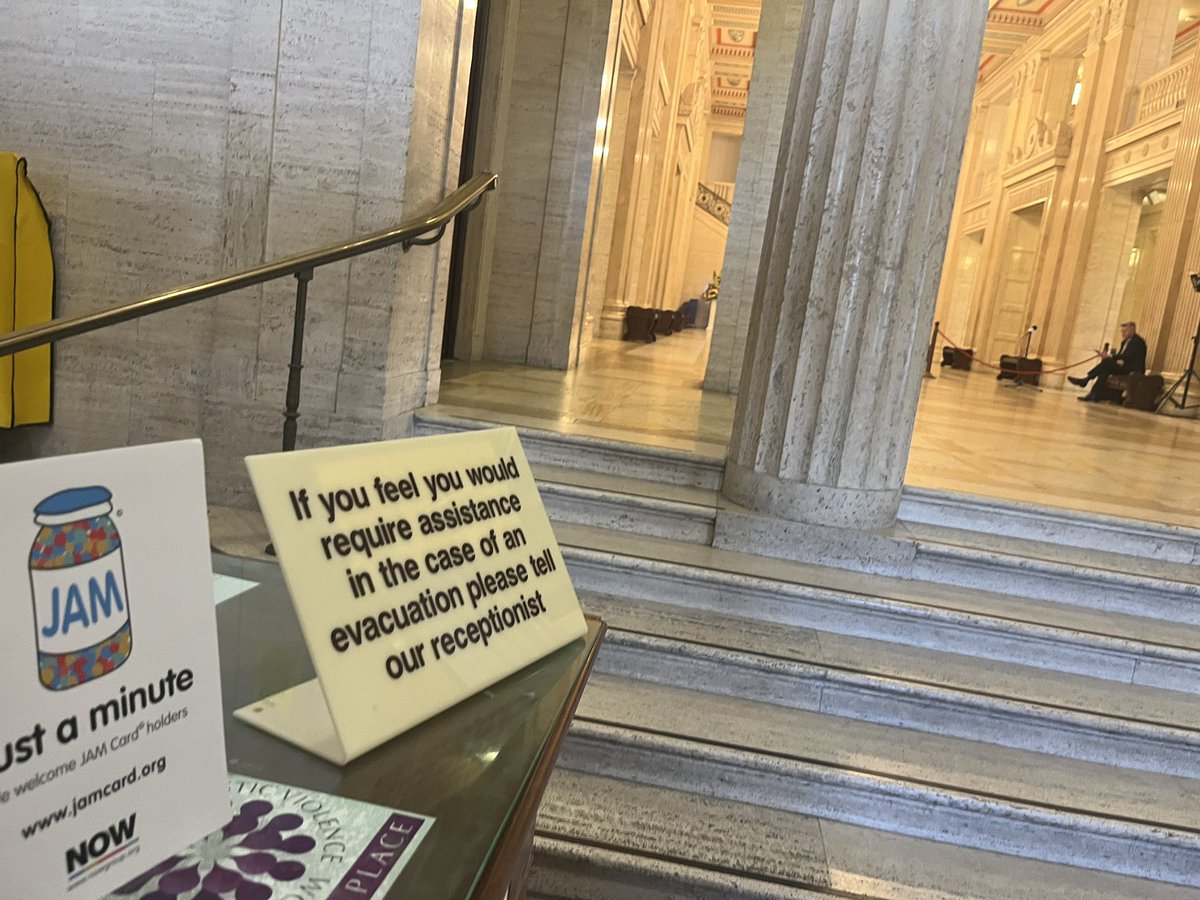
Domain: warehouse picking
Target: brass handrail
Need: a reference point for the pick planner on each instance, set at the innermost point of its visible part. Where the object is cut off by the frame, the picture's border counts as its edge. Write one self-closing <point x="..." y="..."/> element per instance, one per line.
<point x="407" y="234"/>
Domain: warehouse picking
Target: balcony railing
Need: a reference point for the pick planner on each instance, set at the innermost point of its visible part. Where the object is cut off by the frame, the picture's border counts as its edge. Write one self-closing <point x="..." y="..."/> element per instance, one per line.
<point x="1163" y="93"/>
<point x="713" y="203"/>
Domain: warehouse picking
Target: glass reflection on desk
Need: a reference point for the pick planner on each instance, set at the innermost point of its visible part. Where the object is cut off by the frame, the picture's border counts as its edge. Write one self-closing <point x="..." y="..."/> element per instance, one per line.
<point x="469" y="766"/>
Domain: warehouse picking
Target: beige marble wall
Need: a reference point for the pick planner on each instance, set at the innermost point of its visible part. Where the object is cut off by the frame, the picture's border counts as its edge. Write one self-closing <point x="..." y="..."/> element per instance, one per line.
<point x="618" y="175"/>
<point x="693" y="150"/>
<point x="604" y="181"/>
<point x="774" y="57"/>
<point x="646" y="258"/>
<point x="723" y="155"/>
<point x="666" y="149"/>
<point x="960" y="286"/>
<point x="1107" y="272"/>
<point x="1171" y="310"/>
<point x="642" y="132"/>
<point x="1131" y="42"/>
<point x="1085" y="237"/>
<point x="706" y="250"/>
<point x="174" y="141"/>
<point x="609" y="161"/>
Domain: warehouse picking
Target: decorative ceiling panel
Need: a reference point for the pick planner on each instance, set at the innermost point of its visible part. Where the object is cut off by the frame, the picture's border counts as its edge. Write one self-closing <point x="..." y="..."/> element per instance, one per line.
<point x="733" y="38"/>
<point x="1013" y="22"/>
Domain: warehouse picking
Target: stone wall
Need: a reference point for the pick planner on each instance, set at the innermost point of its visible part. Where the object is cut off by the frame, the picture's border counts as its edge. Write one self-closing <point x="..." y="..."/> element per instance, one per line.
<point x="778" y="32"/>
<point x="174" y="140"/>
<point x="554" y="61"/>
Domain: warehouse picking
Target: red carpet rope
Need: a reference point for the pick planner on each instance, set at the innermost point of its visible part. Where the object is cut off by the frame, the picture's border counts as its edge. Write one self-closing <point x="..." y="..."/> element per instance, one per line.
<point x="988" y="365"/>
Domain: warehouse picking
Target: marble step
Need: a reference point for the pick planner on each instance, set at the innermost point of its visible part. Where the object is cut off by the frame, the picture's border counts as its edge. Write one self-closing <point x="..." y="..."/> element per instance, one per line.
<point x="1085" y="578"/>
<point x="1030" y="551"/>
<point x="1142" y="728"/>
<point x="570" y="870"/>
<point x="1047" y="636"/>
<point x="592" y="454"/>
<point x="1097" y="579"/>
<point x="610" y="839"/>
<point x="972" y="542"/>
<point x="899" y="780"/>
<point x="627" y="504"/>
<point x="954" y="672"/>
<point x="1062" y="527"/>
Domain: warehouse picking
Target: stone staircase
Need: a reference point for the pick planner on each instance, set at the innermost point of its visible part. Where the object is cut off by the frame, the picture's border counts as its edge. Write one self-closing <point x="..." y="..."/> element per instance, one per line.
<point x="1004" y="706"/>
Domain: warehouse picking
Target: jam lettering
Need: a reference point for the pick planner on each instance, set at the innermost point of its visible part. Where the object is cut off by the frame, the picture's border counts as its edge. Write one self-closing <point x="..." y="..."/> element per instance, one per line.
<point x="101" y="600"/>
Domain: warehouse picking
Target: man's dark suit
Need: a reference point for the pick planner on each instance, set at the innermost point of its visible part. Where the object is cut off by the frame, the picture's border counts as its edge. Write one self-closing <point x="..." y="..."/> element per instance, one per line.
<point x="1132" y="354"/>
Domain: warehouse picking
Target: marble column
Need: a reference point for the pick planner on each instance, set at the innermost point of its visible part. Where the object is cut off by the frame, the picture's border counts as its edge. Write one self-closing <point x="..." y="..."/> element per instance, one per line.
<point x="874" y="129"/>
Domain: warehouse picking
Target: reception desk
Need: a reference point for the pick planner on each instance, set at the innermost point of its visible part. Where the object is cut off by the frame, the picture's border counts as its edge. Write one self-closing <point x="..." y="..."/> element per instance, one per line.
<point x="479" y="768"/>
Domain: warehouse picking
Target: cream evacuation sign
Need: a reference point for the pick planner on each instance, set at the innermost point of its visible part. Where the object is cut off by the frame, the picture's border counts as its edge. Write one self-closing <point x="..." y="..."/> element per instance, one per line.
<point x="112" y="750"/>
<point x="422" y="571"/>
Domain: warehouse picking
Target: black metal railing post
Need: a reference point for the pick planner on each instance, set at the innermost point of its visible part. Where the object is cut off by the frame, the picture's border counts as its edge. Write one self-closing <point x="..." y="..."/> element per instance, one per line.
<point x="292" y="411"/>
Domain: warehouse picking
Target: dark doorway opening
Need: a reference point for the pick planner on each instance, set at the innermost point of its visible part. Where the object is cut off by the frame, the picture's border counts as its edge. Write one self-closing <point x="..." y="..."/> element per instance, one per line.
<point x="466" y="170"/>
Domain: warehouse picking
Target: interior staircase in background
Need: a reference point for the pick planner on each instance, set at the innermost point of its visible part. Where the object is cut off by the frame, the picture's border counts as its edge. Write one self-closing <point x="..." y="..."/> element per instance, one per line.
<point x="1003" y="707"/>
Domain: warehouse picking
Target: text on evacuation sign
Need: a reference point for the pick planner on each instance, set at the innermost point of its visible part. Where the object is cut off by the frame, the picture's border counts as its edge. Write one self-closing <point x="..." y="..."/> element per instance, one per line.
<point x="422" y="571"/>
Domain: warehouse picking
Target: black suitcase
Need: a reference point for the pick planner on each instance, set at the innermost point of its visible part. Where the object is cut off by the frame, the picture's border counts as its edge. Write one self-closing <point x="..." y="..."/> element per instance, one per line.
<point x="1012" y="365"/>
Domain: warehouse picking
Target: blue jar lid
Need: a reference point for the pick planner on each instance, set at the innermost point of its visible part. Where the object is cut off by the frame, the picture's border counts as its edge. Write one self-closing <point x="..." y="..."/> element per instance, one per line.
<point x="72" y="499"/>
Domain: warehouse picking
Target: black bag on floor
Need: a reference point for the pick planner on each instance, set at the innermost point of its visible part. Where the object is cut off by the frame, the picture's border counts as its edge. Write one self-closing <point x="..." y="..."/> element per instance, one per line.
<point x="1015" y="364"/>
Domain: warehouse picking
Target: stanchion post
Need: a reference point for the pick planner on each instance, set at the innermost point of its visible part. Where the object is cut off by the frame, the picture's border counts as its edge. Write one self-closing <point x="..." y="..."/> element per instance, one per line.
<point x="937" y="326"/>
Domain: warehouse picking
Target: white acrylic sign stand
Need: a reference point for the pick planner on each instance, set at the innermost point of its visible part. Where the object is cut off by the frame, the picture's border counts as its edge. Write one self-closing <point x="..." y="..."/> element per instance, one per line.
<point x="422" y="571"/>
<point x="112" y="750"/>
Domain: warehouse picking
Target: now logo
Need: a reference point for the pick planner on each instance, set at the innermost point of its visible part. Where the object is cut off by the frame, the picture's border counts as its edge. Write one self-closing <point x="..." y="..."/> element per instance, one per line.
<point x="101" y="845"/>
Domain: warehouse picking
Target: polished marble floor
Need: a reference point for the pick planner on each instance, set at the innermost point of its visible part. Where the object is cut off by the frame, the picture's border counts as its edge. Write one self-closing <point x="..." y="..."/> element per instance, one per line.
<point x="973" y="435"/>
<point x="643" y="393"/>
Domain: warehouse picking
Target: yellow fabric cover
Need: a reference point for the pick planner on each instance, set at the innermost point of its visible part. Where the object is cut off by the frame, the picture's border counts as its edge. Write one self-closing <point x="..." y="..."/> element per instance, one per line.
<point x="26" y="294"/>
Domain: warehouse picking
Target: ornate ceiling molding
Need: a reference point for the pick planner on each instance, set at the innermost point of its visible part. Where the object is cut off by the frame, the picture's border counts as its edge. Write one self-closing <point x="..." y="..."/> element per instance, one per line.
<point x="1011" y="23"/>
<point x="733" y="39"/>
<point x="737" y="15"/>
<point x="1007" y="31"/>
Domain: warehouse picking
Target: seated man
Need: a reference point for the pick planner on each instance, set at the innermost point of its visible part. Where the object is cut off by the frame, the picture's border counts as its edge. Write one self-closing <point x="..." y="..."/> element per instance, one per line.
<point x="1130" y="358"/>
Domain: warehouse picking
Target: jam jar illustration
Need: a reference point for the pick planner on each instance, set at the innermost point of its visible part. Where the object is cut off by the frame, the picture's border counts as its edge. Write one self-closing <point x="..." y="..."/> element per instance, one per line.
<point x="79" y="597"/>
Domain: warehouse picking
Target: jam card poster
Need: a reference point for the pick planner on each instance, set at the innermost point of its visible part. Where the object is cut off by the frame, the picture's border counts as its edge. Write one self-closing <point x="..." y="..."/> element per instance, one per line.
<point x="288" y="843"/>
<point x="112" y="750"/>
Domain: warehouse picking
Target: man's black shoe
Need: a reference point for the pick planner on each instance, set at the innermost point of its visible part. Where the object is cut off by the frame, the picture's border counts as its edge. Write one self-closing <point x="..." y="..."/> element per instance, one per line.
<point x="1078" y="382"/>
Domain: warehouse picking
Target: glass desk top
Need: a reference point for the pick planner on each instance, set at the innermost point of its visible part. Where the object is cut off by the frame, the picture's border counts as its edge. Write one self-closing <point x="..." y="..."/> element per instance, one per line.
<point x="470" y="766"/>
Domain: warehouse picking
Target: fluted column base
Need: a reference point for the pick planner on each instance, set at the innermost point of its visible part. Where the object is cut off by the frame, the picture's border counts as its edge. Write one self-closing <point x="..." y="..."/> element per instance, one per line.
<point x="887" y="550"/>
<point x="815" y="504"/>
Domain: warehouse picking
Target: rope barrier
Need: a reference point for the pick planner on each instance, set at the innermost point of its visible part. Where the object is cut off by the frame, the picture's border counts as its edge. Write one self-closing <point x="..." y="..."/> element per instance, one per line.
<point x="988" y="365"/>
